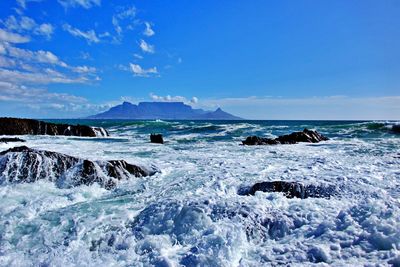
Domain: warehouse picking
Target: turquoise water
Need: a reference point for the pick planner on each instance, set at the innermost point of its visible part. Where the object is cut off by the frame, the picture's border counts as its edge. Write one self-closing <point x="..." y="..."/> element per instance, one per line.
<point x="190" y="214"/>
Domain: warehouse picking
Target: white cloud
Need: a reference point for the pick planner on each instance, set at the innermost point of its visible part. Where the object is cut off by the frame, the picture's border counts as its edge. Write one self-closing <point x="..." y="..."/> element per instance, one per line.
<point x="139" y="71"/>
<point x="27" y="25"/>
<point x="22" y="66"/>
<point x="169" y="98"/>
<point x="80" y="3"/>
<point x="148" y="31"/>
<point x="7" y="62"/>
<point x="10" y="37"/>
<point x="125" y="17"/>
<point x="146" y="47"/>
<point x="45" y="29"/>
<point x="84" y="69"/>
<point x="90" y="35"/>
<point x="47" y="77"/>
<point x="85" y="56"/>
<point x="137" y="56"/>
<point x="123" y="67"/>
<point x="194" y="100"/>
<point x="23" y="3"/>
<point x="20" y="93"/>
<point x="2" y="49"/>
<point x="35" y="56"/>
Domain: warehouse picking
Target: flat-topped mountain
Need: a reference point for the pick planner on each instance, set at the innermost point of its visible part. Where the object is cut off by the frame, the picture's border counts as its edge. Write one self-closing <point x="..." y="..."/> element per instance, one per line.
<point x="162" y="110"/>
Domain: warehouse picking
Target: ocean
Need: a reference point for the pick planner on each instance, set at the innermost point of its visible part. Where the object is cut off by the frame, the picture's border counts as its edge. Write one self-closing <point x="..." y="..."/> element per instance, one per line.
<point x="191" y="214"/>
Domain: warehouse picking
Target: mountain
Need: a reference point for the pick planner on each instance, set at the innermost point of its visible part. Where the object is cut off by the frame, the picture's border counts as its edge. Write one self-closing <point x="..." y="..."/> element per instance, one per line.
<point x="162" y="110"/>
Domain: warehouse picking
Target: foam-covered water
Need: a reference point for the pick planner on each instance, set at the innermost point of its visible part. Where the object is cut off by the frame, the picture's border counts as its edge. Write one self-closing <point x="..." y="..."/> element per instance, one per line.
<point x="191" y="213"/>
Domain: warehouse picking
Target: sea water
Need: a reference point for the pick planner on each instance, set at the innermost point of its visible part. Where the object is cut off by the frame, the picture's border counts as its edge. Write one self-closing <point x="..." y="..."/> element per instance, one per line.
<point x="190" y="213"/>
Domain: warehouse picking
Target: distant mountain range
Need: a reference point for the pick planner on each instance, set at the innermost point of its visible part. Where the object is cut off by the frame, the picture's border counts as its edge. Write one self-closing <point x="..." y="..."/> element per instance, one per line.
<point x="162" y="110"/>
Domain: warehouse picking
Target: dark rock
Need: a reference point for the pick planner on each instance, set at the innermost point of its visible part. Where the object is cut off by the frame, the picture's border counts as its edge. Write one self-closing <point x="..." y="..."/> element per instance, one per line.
<point x="255" y="140"/>
<point x="26" y="165"/>
<point x="156" y="138"/>
<point x="15" y="126"/>
<point x="11" y="139"/>
<point x="306" y="135"/>
<point x="396" y="128"/>
<point x="291" y="189"/>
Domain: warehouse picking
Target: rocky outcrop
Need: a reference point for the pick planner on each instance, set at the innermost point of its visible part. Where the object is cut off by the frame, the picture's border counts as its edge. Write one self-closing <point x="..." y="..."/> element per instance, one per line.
<point x="291" y="189"/>
<point x="156" y="138"/>
<point x="11" y="139"/>
<point x="26" y="165"/>
<point x="306" y="135"/>
<point x="15" y="126"/>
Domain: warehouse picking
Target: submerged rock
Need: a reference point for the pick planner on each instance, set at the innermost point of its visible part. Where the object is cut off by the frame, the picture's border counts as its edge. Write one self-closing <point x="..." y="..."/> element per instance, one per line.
<point x="291" y="189"/>
<point x="11" y="139"/>
<point x="306" y="135"/>
<point x="15" y="126"/>
<point x="156" y="138"/>
<point x="26" y="165"/>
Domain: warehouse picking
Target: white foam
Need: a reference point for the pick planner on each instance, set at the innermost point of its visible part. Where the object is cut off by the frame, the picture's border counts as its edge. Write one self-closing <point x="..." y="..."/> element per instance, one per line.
<point x="190" y="213"/>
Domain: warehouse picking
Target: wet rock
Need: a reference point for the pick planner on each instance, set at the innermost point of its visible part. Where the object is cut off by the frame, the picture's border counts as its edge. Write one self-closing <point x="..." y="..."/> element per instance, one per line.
<point x="11" y="139"/>
<point x="15" y="126"/>
<point x="156" y="138"/>
<point x="26" y="165"/>
<point x="306" y="135"/>
<point x="396" y="128"/>
<point x="255" y="140"/>
<point x="291" y="189"/>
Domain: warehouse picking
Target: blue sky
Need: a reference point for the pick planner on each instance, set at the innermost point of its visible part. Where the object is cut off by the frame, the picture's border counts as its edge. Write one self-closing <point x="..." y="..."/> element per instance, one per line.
<point x="256" y="59"/>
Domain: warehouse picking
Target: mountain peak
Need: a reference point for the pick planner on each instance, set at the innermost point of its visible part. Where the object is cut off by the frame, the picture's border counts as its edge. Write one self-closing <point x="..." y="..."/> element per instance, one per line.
<point x="162" y="110"/>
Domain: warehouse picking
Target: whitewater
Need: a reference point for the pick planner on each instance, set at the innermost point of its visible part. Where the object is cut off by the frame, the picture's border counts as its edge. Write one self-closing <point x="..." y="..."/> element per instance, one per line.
<point x="190" y="213"/>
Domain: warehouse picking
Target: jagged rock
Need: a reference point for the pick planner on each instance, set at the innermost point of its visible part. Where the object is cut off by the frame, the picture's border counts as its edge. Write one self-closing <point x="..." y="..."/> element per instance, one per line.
<point x="156" y="138"/>
<point x="15" y="126"/>
<point x="26" y="165"/>
<point x="291" y="189"/>
<point x="11" y="139"/>
<point x="306" y="135"/>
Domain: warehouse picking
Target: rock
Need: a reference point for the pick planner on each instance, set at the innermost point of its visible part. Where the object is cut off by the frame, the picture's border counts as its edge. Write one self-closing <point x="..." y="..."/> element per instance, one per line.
<point x="15" y="126"/>
<point x="26" y="165"/>
<point x="396" y="128"/>
<point x="156" y="138"/>
<point x="291" y="189"/>
<point x="11" y="139"/>
<point x="255" y="140"/>
<point x="306" y="135"/>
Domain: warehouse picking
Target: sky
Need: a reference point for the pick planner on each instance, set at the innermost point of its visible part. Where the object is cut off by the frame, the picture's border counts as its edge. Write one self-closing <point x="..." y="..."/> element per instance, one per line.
<point x="257" y="59"/>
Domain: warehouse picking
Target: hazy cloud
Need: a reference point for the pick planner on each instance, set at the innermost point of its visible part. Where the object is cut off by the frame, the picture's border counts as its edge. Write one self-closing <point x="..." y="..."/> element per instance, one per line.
<point x="27" y="25"/>
<point x="139" y="71"/>
<point x="45" y="29"/>
<point x="80" y="3"/>
<point x="169" y="98"/>
<point x="40" y="56"/>
<point x="43" y="77"/>
<point x="125" y="17"/>
<point x="84" y="69"/>
<point x="147" y="48"/>
<point x="137" y="56"/>
<point x="90" y="36"/>
<point x="148" y="31"/>
<point x="10" y="37"/>
<point x="22" y="3"/>
<point x="20" y="93"/>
